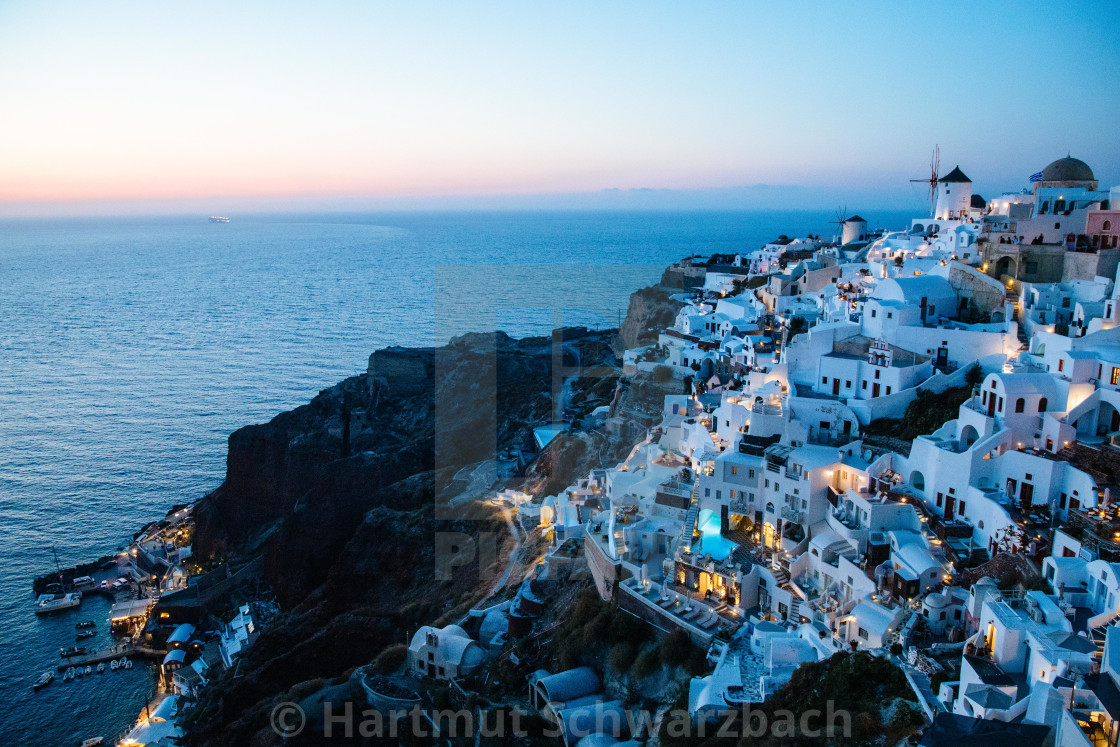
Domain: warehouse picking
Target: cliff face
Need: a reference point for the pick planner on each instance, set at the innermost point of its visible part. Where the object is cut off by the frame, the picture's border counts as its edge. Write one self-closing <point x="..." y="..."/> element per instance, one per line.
<point x="339" y="498"/>
<point x="651" y="310"/>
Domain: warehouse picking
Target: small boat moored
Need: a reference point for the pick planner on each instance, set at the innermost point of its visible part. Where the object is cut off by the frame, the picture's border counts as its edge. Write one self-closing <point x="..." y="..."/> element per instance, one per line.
<point x="114" y="664"/>
<point x="66" y="653"/>
<point x="101" y="668"/>
<point x="86" y="634"/>
<point x="45" y="679"/>
<point x="89" y="669"/>
<point x="50" y="603"/>
<point x="85" y="624"/>
<point x="92" y="742"/>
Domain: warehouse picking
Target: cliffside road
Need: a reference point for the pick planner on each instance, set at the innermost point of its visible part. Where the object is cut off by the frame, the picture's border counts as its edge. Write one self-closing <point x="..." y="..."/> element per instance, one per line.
<point x="515" y="530"/>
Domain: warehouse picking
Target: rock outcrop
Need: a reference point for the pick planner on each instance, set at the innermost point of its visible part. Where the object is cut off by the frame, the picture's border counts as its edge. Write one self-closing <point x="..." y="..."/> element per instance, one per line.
<point x="345" y="513"/>
<point x="650" y="311"/>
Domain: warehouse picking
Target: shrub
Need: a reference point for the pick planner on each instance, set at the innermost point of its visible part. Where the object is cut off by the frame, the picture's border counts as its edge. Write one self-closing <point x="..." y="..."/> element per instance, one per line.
<point x="391" y="659"/>
<point x="647" y="664"/>
<point x="626" y="627"/>
<point x="674" y="650"/>
<point x="757" y="281"/>
<point x="1035" y="583"/>
<point x="622" y="656"/>
<point x="301" y="690"/>
<point x="662" y="374"/>
<point x="974" y="376"/>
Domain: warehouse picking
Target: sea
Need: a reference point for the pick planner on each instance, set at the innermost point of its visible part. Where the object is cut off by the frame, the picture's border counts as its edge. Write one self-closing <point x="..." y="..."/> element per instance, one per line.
<point x="131" y="347"/>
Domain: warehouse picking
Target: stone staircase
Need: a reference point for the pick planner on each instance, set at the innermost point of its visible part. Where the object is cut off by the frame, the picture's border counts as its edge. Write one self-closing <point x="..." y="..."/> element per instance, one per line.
<point x="781" y="576"/>
<point x="920" y="682"/>
<point x="751" y="669"/>
<point x="690" y="519"/>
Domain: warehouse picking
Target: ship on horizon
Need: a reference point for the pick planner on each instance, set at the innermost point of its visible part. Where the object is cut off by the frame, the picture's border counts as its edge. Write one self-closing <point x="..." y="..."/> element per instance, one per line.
<point x="219" y="219"/>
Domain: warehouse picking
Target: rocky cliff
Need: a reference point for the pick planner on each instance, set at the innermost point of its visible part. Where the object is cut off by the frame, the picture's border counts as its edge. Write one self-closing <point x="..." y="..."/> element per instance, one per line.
<point x="650" y="311"/>
<point x="343" y="499"/>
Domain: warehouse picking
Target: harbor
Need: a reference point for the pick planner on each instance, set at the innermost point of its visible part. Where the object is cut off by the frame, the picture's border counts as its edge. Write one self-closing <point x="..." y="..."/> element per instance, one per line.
<point x="158" y="617"/>
<point x="114" y="653"/>
<point x="101" y="614"/>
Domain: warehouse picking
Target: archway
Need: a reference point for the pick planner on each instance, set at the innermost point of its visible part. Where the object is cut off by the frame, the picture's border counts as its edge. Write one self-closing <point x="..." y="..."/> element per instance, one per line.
<point x="917" y="480"/>
<point x="1006" y="266"/>
<point x="768" y="534"/>
<point x="969" y="436"/>
<point x="1108" y="419"/>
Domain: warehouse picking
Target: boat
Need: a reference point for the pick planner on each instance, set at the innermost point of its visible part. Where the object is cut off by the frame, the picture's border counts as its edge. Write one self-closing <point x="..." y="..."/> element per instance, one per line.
<point x="45" y="679"/>
<point x="101" y="668"/>
<point x="79" y="672"/>
<point x="49" y="603"/>
<point x="219" y="219"/>
<point x="127" y="664"/>
<point x="86" y="634"/>
<point x="86" y="624"/>
<point x="66" y="653"/>
<point x="89" y="669"/>
<point x="70" y="674"/>
<point x="92" y="742"/>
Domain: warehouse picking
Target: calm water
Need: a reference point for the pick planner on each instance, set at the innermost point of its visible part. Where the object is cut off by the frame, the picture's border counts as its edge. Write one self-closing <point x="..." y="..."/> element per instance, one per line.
<point x="131" y="348"/>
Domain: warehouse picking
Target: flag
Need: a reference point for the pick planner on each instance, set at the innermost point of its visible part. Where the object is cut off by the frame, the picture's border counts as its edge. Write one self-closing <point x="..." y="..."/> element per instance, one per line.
<point x="1036" y="177"/>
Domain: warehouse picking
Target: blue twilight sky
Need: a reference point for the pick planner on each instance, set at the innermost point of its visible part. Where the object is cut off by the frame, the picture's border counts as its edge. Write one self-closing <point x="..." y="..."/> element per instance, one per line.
<point x="203" y="105"/>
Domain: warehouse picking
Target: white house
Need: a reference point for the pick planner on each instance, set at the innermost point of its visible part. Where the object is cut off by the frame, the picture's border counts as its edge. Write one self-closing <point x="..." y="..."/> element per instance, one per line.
<point x="443" y="653"/>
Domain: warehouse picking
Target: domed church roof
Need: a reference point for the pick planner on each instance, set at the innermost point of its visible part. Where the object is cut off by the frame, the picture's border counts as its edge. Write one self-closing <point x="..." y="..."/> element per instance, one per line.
<point x="1068" y="170"/>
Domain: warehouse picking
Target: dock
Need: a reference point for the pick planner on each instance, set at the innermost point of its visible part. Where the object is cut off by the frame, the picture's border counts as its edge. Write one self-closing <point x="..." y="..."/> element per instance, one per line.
<point x="130" y="650"/>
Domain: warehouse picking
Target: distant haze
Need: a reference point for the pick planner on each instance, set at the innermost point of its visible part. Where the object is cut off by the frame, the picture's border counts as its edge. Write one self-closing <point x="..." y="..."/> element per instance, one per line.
<point x="135" y="107"/>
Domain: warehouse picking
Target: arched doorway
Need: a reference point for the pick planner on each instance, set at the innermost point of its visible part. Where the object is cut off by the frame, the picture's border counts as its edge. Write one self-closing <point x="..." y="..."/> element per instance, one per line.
<point x="917" y="480"/>
<point x="1006" y="266"/>
<point x="768" y="535"/>
<point x="1108" y="421"/>
<point x="969" y="436"/>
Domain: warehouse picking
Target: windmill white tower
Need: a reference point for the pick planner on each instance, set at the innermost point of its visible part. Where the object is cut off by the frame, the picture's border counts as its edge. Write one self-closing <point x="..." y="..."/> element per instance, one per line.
<point x="954" y="195"/>
<point x="851" y="228"/>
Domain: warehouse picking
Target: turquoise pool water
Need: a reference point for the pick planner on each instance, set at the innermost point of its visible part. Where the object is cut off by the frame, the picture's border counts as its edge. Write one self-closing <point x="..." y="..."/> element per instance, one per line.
<point x="711" y="541"/>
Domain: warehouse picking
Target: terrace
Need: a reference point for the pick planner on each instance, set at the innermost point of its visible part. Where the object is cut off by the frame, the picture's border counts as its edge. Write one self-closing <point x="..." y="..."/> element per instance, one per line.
<point x="1099" y="529"/>
<point x="685" y="608"/>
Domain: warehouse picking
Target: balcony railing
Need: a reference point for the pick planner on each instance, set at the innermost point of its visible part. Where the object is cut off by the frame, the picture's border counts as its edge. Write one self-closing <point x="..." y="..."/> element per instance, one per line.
<point x="740" y="507"/>
<point x="791" y="514"/>
<point x="681" y="490"/>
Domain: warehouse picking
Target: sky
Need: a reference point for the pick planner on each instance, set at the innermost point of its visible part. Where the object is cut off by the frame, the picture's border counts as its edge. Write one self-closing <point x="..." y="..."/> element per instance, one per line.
<point x="142" y="106"/>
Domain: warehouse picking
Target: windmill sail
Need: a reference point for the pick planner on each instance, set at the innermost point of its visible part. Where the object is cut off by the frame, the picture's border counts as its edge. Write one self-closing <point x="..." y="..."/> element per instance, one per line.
<point x="931" y="180"/>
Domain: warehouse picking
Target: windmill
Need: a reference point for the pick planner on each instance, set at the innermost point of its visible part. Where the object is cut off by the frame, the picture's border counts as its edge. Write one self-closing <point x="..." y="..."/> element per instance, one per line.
<point x="841" y="218"/>
<point x="934" y="165"/>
